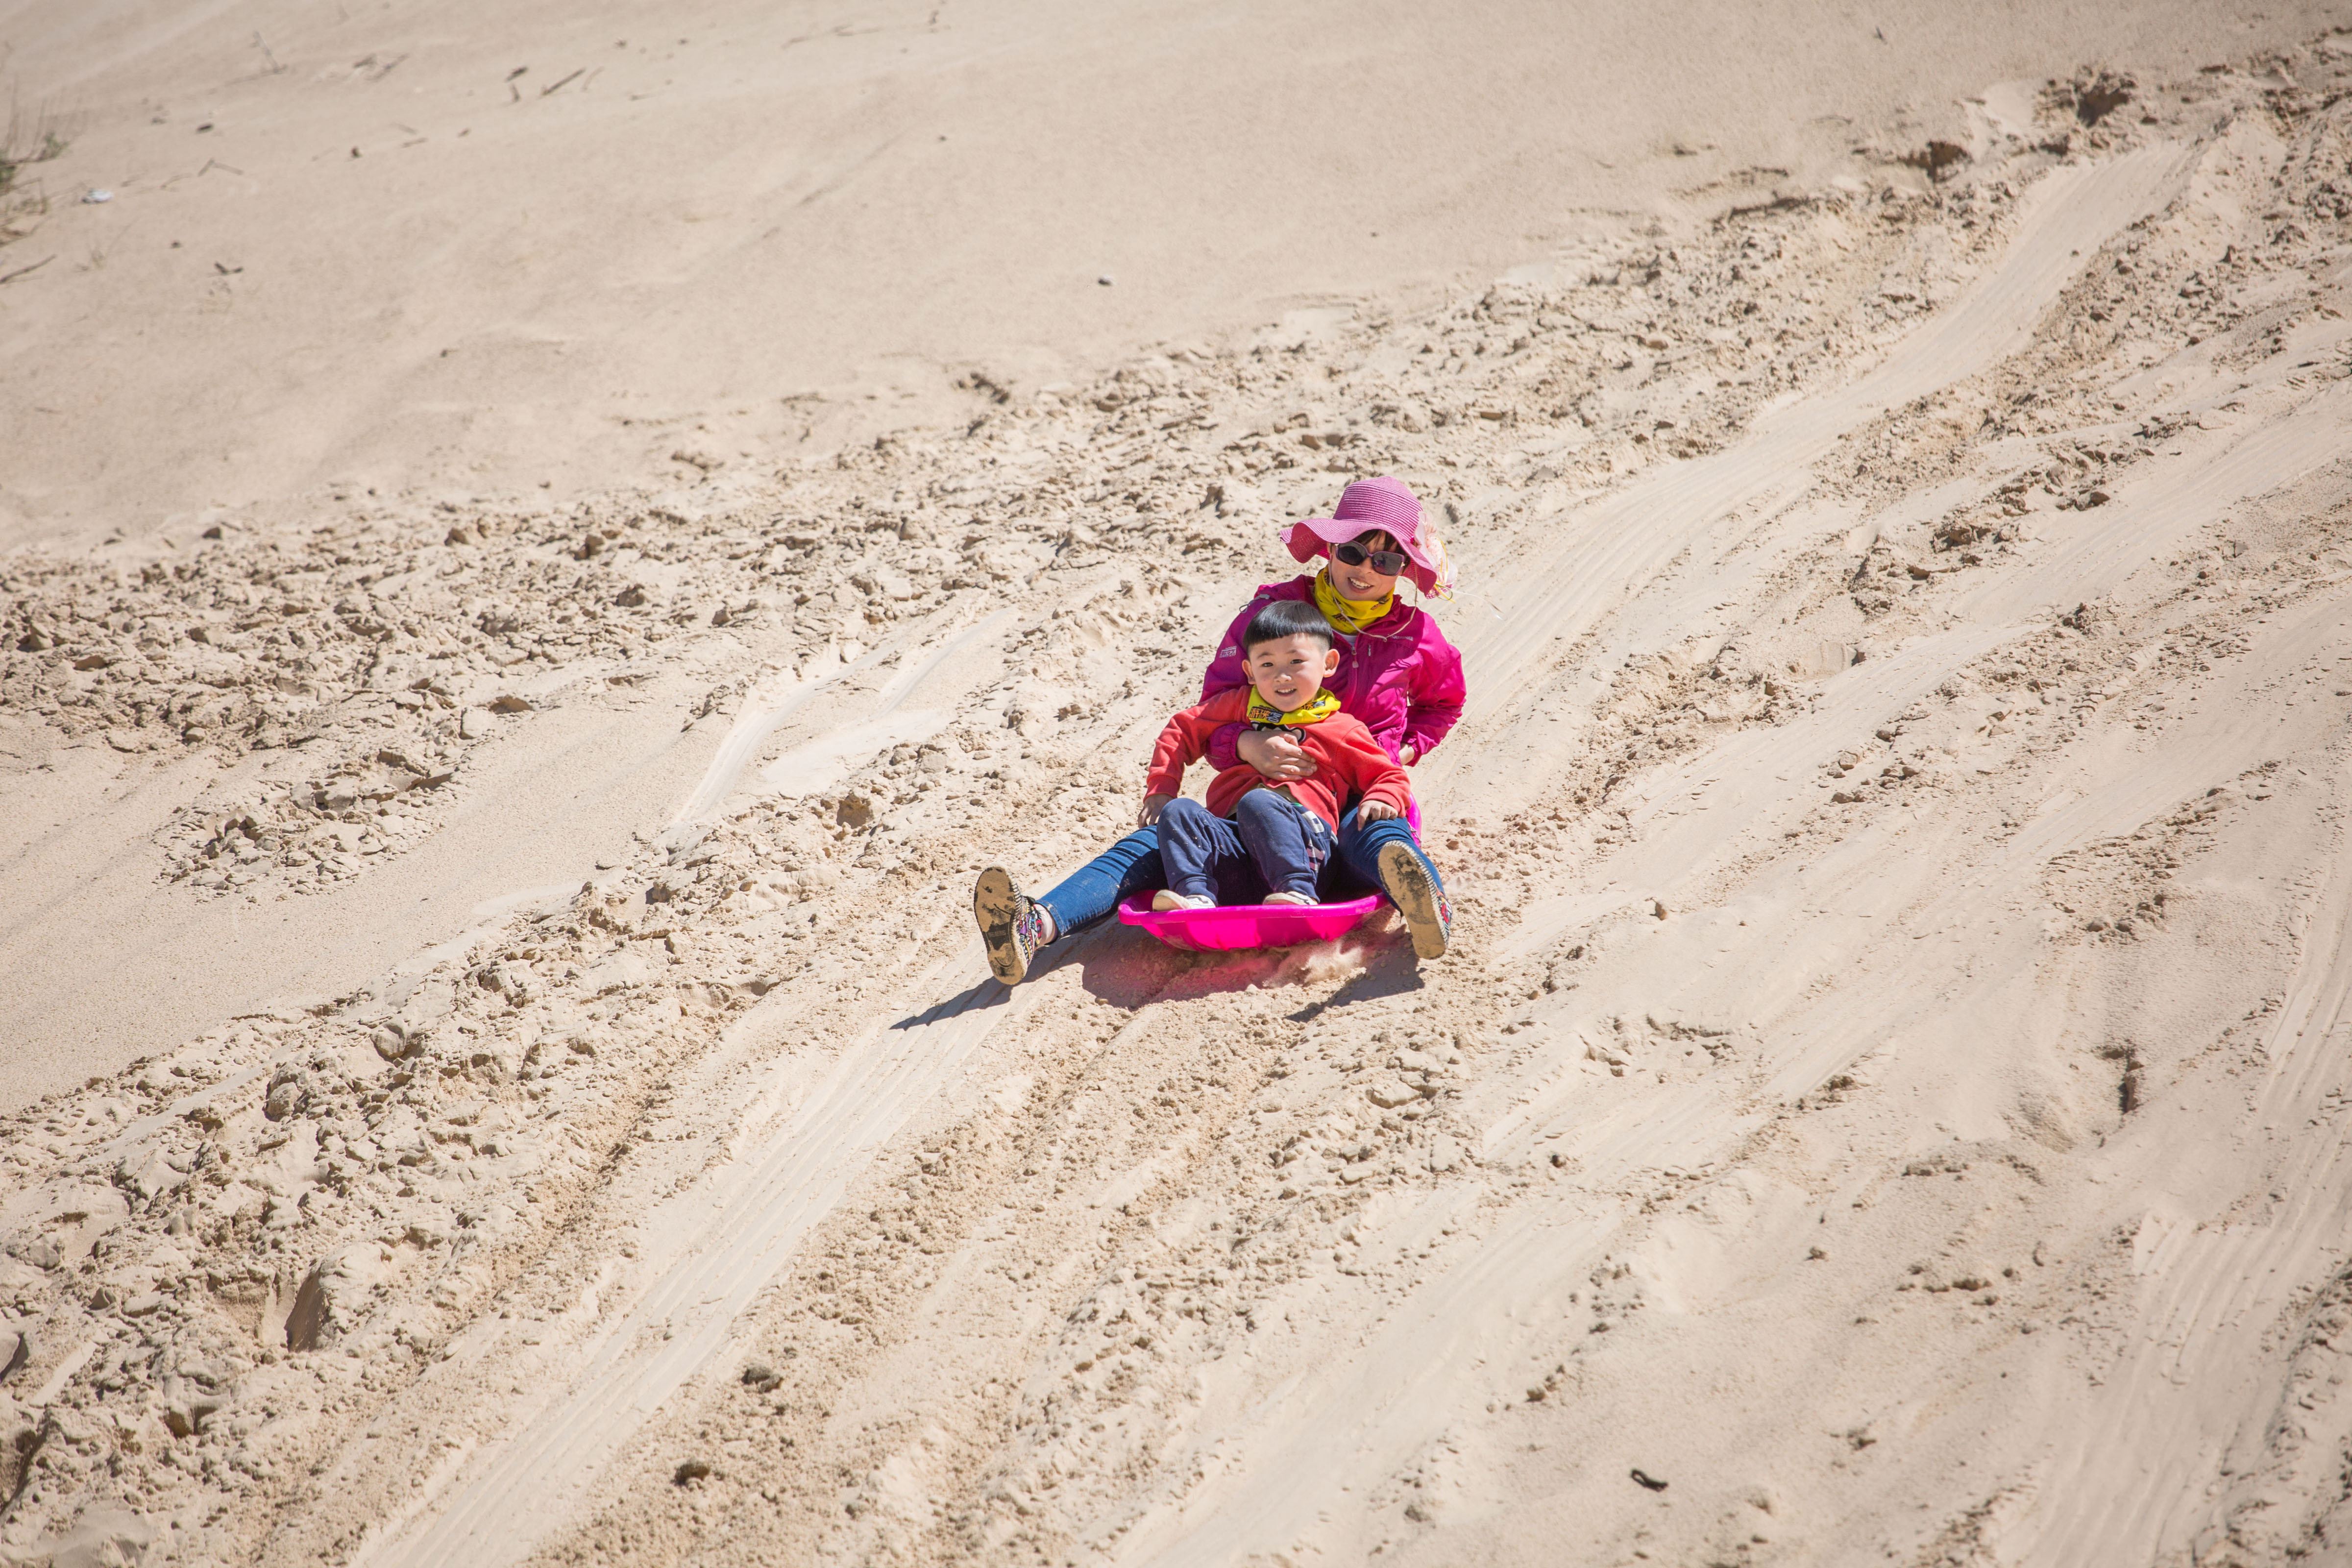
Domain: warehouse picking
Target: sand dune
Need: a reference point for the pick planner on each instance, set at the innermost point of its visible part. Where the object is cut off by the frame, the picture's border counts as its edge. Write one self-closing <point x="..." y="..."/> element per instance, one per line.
<point x="542" y="1100"/>
<point x="430" y="246"/>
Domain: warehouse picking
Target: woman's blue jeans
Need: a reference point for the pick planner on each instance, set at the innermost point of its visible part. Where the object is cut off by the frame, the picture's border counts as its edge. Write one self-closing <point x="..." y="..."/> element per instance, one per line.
<point x="1132" y="865"/>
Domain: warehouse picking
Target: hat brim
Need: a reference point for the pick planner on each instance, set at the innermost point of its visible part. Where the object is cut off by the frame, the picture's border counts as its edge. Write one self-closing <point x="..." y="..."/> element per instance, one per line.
<point x="1313" y="536"/>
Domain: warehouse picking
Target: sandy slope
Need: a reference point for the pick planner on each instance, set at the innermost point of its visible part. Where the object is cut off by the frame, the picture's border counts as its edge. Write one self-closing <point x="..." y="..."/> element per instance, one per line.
<point x="1887" y="1088"/>
<point x="435" y="244"/>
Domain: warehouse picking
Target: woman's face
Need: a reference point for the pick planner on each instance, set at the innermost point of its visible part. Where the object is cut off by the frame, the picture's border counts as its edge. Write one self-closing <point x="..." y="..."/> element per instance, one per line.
<point x="1363" y="582"/>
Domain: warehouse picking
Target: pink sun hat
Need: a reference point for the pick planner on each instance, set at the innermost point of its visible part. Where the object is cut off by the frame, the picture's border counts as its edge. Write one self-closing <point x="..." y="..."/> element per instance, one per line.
<point x="1385" y="504"/>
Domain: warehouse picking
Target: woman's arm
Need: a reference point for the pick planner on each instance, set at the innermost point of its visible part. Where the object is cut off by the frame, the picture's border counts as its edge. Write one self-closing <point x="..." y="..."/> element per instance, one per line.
<point x="1273" y="753"/>
<point x="1433" y="697"/>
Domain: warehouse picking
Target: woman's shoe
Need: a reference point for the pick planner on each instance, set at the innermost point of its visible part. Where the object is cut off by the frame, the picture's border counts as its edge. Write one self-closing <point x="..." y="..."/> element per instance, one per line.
<point x="1013" y="927"/>
<point x="1417" y="898"/>
<point x="1164" y="903"/>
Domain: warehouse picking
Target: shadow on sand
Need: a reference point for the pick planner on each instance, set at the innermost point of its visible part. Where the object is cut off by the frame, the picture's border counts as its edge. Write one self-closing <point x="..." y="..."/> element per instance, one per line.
<point x="1122" y="967"/>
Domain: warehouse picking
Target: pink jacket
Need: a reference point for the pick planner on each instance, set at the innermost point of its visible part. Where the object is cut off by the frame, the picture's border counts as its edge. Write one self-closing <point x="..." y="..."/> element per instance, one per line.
<point x="1399" y="677"/>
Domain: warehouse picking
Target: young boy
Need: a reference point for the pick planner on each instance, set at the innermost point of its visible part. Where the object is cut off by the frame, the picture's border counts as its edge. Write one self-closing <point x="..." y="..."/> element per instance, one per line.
<point x="1254" y="836"/>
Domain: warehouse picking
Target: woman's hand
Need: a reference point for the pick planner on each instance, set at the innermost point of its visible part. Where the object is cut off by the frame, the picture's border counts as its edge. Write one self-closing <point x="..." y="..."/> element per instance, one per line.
<point x="1274" y="755"/>
<point x="1153" y="805"/>
<point x="1376" y="811"/>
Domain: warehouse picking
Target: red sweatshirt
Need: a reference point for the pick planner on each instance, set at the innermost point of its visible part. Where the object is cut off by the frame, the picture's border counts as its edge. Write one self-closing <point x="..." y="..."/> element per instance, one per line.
<point x="1347" y="761"/>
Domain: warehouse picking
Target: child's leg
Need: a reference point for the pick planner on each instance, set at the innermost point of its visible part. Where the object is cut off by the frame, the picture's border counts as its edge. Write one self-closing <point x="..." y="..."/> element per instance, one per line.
<point x="1288" y="842"/>
<point x="1192" y="843"/>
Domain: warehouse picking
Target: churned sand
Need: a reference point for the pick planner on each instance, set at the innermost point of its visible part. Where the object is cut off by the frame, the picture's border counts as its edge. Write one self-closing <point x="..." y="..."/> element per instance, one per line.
<point x="498" y="1066"/>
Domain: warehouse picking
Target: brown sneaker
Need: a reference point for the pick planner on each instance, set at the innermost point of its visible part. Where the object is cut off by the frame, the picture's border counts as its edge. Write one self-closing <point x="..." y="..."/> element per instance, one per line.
<point x="1011" y="926"/>
<point x="1418" y="900"/>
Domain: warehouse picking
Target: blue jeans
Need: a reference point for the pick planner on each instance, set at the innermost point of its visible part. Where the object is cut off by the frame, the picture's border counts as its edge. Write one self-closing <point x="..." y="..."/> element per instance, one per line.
<point x="1133" y="865"/>
<point x="1358" y="871"/>
<point x="1089" y="895"/>
<point x="1271" y="845"/>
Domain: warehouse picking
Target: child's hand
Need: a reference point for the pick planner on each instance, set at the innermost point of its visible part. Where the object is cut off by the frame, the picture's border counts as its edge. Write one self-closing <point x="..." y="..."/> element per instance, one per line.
<point x="1376" y="811"/>
<point x="1153" y="806"/>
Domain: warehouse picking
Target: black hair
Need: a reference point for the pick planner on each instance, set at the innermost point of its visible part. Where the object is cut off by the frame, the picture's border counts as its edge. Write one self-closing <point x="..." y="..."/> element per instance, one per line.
<point x="1286" y="618"/>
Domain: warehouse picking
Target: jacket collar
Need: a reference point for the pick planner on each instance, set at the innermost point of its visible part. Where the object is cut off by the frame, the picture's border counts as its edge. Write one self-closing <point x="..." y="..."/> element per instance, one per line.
<point x="1393" y="624"/>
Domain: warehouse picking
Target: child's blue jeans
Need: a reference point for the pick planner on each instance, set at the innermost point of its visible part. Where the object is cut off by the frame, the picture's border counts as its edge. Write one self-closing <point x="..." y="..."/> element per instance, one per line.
<point x="1270" y="845"/>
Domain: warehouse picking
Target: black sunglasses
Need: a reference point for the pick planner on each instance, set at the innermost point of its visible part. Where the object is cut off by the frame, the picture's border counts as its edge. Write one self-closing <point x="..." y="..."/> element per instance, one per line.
<point x="1387" y="562"/>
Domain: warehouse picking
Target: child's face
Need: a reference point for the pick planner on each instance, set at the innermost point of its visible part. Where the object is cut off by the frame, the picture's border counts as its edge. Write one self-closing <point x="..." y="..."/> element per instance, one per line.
<point x="1289" y="671"/>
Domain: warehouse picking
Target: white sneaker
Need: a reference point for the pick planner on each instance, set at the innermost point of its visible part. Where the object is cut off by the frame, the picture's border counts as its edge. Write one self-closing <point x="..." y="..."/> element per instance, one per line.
<point x="1165" y="901"/>
<point x="1294" y="901"/>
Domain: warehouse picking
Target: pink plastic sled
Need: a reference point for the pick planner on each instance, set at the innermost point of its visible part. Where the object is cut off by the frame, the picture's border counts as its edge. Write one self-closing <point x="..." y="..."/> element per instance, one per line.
<point x="1232" y="927"/>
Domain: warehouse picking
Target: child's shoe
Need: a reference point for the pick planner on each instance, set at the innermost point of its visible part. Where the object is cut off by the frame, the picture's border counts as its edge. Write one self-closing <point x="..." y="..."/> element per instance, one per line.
<point x="1166" y="900"/>
<point x="1291" y="900"/>
<point x="1012" y="926"/>
<point x="1417" y="898"/>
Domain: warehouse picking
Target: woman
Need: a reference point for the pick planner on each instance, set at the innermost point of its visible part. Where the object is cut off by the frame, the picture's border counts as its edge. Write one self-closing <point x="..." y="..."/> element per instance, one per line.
<point x="1397" y="674"/>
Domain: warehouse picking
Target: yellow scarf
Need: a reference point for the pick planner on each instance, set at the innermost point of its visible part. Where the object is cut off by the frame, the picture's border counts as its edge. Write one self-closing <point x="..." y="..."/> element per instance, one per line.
<point x="1349" y="617"/>
<point x="1314" y="710"/>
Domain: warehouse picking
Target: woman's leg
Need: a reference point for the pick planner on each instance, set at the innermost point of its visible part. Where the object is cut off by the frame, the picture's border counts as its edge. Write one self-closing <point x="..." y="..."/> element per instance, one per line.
<point x="1288" y="843"/>
<point x="1384" y="855"/>
<point x="1355" y="867"/>
<point x="1089" y="894"/>
<point x="1015" y="927"/>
